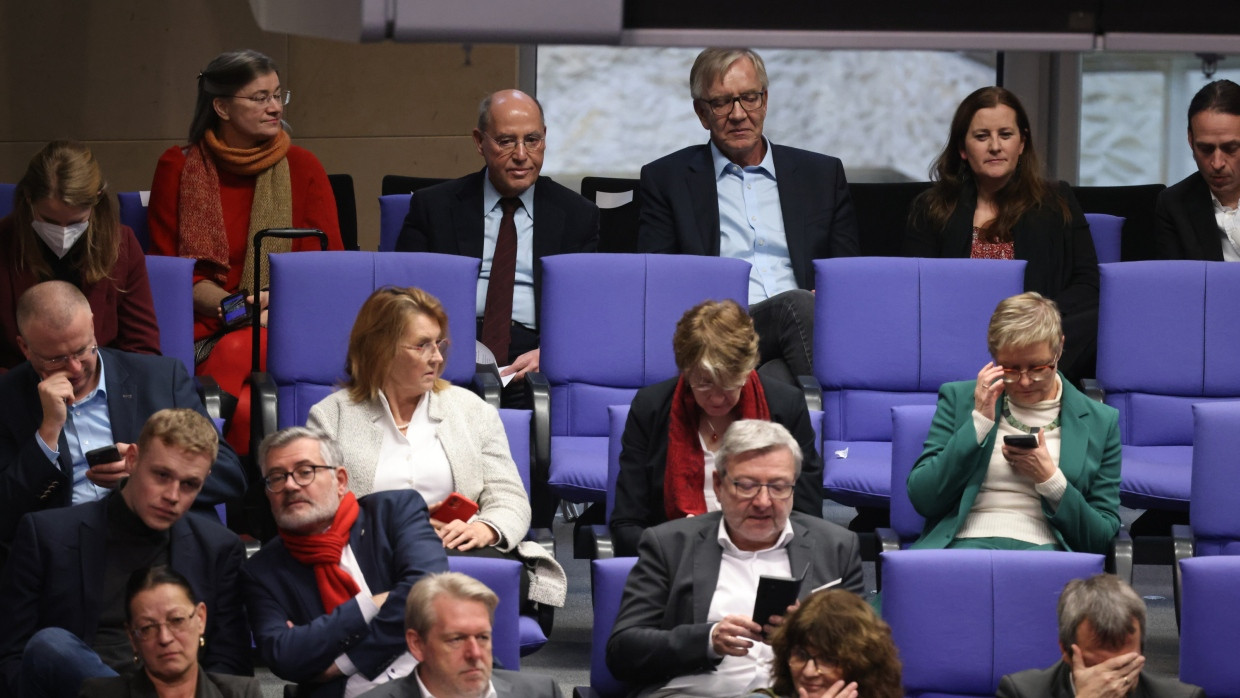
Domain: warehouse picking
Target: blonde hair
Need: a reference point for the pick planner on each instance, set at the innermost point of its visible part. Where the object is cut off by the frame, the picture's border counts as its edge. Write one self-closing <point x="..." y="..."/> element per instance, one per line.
<point x="1025" y="320"/>
<point x="717" y="338"/>
<point x="712" y="63"/>
<point x="420" y="614"/>
<point x="182" y="428"/>
<point x="377" y="332"/>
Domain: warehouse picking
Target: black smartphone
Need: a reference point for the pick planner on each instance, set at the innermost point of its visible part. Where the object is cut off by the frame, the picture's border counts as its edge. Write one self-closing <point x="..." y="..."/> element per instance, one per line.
<point x="234" y="309"/>
<point x="104" y="454"/>
<point x="1022" y="440"/>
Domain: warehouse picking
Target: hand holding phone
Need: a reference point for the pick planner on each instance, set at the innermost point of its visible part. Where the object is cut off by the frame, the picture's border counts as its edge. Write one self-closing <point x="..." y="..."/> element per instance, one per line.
<point x="456" y="507"/>
<point x="102" y="455"/>
<point x="1029" y="440"/>
<point x="234" y="310"/>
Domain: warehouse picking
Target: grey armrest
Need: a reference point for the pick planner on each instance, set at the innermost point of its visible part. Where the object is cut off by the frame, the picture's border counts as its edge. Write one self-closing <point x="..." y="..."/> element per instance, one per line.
<point x="488" y="387"/>
<point x="812" y="390"/>
<point x="264" y="415"/>
<point x="1182" y="542"/>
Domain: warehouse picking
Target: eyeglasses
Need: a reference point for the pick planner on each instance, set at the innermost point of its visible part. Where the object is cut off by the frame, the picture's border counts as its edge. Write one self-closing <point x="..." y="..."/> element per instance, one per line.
<point x="61" y="361"/>
<point x="799" y="658"/>
<point x="176" y="625"/>
<point x="425" y="349"/>
<point x="261" y="99"/>
<point x="749" y="101"/>
<point x="1037" y="374"/>
<point x="748" y="489"/>
<point x="710" y="387"/>
<point x="303" y="475"/>
<point x="533" y="142"/>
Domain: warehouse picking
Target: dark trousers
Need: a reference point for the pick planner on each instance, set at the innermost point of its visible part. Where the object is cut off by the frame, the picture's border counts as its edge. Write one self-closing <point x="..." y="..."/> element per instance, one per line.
<point x="785" y="327"/>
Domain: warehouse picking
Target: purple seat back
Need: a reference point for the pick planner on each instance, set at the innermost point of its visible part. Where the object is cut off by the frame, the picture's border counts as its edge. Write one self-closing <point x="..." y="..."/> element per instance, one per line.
<point x="131" y="209"/>
<point x="504" y="578"/>
<point x="1216" y="479"/>
<point x="172" y="288"/>
<point x="1210" y="624"/>
<point x="617" y="417"/>
<point x="315" y="297"/>
<point x="607" y="324"/>
<point x="910" y="424"/>
<point x="6" y="198"/>
<point x="608" y="578"/>
<point x="962" y="619"/>
<point x="1154" y="381"/>
<point x="889" y="331"/>
<point x="1106" y="231"/>
<point x="392" y="211"/>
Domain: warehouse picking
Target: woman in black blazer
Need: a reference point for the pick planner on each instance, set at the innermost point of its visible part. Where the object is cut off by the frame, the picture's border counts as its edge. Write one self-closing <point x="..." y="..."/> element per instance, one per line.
<point x="674" y="426"/>
<point x="989" y="200"/>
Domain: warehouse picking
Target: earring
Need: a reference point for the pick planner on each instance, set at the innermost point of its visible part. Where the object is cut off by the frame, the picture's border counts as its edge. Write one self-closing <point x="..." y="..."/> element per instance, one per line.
<point x="202" y="641"/>
<point x="136" y="661"/>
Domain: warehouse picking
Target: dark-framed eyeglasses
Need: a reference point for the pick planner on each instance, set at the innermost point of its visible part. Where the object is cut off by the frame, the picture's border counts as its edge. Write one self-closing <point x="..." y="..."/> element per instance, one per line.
<point x="60" y="362"/>
<point x="261" y="99"/>
<point x="303" y="475"/>
<point x="749" y="101"/>
<point x="533" y="142"/>
<point x="800" y="657"/>
<point x="1036" y="374"/>
<point x="748" y="489"/>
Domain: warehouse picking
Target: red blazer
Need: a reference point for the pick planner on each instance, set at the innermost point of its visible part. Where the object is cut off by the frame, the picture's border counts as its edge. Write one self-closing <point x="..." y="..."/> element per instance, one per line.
<point x="314" y="206"/>
<point x="123" y="309"/>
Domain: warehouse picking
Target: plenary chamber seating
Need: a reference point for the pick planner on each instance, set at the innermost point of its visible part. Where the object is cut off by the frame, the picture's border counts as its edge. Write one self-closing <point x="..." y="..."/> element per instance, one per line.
<point x="607" y="582"/>
<point x="131" y="209"/>
<point x="1210" y="629"/>
<point x="889" y="331"/>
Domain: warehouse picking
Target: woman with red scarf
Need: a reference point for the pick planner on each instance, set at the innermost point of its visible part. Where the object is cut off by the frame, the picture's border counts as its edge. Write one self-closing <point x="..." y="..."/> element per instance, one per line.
<point x="239" y="175"/>
<point x="674" y="427"/>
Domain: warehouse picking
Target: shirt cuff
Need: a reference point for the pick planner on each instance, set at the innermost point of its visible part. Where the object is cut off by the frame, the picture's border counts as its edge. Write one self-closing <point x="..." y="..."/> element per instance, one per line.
<point x="366" y="604"/>
<point x="982" y="425"/>
<point x="499" y="537"/>
<point x="52" y="454"/>
<point x="346" y="665"/>
<point x="1052" y="490"/>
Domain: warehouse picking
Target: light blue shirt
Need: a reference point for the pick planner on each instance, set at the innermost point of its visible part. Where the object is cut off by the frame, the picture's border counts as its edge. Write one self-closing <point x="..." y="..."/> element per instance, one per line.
<point x="523" y="282"/>
<point x="751" y="223"/>
<point x="88" y="427"/>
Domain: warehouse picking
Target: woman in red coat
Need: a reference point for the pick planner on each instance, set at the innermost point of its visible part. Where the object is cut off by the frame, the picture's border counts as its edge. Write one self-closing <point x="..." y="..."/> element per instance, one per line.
<point x="239" y="175"/>
<point x="63" y="227"/>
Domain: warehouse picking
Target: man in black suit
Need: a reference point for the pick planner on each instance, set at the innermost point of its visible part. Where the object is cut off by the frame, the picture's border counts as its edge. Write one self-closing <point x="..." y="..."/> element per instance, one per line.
<point x="473" y="215"/>
<point x="1198" y="217"/>
<point x="1101" y="635"/>
<point x="71" y="397"/>
<point x="684" y="625"/>
<point x="62" y="593"/>
<point x="778" y="208"/>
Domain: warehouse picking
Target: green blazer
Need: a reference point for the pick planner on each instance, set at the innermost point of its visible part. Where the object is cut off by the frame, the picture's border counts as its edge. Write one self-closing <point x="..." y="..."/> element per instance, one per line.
<point x="947" y="477"/>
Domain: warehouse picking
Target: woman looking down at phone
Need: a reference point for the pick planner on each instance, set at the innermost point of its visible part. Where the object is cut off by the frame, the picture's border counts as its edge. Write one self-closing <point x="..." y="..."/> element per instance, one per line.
<point x="976" y="491"/>
<point x="401" y="426"/>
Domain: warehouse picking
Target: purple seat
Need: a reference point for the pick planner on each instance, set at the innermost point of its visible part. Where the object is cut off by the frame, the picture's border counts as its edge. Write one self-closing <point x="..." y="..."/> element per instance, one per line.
<point x="962" y="619"/>
<point x="132" y="212"/>
<point x="315" y="297"/>
<point x="392" y="211"/>
<point x="910" y="425"/>
<point x="1106" y="231"/>
<point x="1167" y="333"/>
<point x="504" y="578"/>
<point x="607" y="582"/>
<point x="607" y="324"/>
<point x="889" y="331"/>
<point x="517" y="428"/>
<point x="172" y="288"/>
<point x="1210" y="629"/>
<point x="6" y="198"/>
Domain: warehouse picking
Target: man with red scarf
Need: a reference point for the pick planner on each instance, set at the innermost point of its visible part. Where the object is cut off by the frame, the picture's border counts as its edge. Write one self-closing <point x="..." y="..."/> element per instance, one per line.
<point x="326" y="598"/>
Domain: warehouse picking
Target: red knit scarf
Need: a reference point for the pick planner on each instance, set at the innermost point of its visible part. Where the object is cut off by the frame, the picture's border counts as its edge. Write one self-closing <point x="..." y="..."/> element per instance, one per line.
<point x="684" y="477"/>
<point x="323" y="551"/>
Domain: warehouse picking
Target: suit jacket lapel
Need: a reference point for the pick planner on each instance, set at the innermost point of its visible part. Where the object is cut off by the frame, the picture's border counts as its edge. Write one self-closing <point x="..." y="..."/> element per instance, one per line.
<point x="800" y="554"/>
<point x="1205" y="227"/>
<point x="92" y="537"/>
<point x="958" y="232"/>
<point x="362" y="539"/>
<point x="467" y="217"/>
<point x="369" y="436"/>
<point x="705" y="197"/>
<point x="794" y="204"/>
<point x="548" y="236"/>
<point x="707" y="556"/>
<point x="1074" y="433"/>
<point x="122" y="404"/>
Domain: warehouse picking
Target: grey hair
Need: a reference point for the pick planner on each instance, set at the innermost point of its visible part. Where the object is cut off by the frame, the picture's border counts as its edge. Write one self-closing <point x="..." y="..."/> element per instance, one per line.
<point x="1108" y="602"/>
<point x="755" y="436"/>
<point x="712" y="63"/>
<point x="1024" y="320"/>
<point x="55" y="304"/>
<point x="484" y="109"/>
<point x="328" y="449"/>
<point x="420" y="614"/>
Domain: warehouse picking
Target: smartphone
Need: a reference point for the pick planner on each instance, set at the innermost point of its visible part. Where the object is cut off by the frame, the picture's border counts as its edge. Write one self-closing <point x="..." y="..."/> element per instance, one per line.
<point x="104" y="454"/>
<point x="234" y="309"/>
<point x="1022" y="440"/>
<point x="456" y="506"/>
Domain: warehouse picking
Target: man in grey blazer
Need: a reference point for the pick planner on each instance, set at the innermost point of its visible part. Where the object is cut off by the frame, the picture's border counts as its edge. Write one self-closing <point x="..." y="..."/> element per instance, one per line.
<point x="448" y="620"/>
<point x="1198" y="217"/>
<point x="1101" y="635"/>
<point x="684" y="625"/>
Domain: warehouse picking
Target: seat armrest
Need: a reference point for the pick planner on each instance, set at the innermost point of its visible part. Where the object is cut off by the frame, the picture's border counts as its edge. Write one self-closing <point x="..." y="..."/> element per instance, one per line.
<point x="1092" y="390"/>
<point x="888" y="541"/>
<point x="585" y="692"/>
<point x="540" y="398"/>
<point x="812" y="390"/>
<point x="488" y="387"/>
<point x="1119" y="556"/>
<point x="212" y="397"/>
<point x="1183" y="548"/>
<point x="544" y="537"/>
<point x="601" y="546"/>
<point x="263" y="408"/>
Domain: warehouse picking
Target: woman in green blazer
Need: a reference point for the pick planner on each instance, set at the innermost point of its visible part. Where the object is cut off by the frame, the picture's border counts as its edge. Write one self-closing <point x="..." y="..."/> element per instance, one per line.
<point x="976" y="491"/>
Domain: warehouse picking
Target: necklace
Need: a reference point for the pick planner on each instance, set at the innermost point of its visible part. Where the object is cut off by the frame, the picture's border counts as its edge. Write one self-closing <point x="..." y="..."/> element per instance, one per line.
<point x="714" y="432"/>
<point x="1007" y="416"/>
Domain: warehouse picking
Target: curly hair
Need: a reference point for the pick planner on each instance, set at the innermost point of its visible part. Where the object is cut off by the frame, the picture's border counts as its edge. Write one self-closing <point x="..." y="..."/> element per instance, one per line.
<point x="840" y="628"/>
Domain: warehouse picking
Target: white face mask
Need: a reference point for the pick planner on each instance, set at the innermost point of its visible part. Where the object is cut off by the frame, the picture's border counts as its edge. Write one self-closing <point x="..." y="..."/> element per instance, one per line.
<point x="59" y="239"/>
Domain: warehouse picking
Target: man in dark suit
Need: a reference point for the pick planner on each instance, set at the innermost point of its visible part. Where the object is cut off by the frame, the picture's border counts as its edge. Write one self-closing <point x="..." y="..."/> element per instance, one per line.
<point x="739" y="195"/>
<point x="684" y="625"/>
<point x="1197" y="217"/>
<point x="505" y="212"/>
<point x="326" y="598"/>
<point x="448" y="629"/>
<point x="1101" y="635"/>
<point x="62" y="592"/>
<point x="71" y="397"/>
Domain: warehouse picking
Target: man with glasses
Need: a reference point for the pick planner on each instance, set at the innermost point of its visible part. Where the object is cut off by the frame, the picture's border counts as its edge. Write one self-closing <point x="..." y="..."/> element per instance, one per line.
<point x="509" y="217"/>
<point x="776" y="207"/>
<point x="72" y="397"/>
<point x="684" y="625"/>
<point x="62" y="593"/>
<point x="326" y="599"/>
